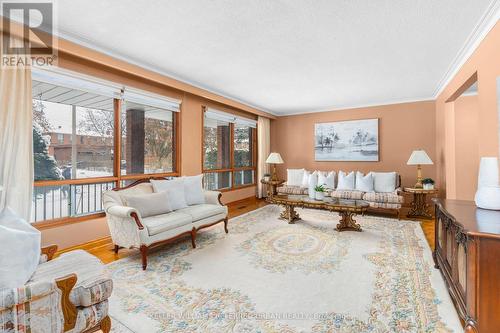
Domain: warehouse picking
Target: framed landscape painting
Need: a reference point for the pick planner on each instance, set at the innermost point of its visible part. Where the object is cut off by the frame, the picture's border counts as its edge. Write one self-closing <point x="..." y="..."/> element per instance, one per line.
<point x="354" y="140"/>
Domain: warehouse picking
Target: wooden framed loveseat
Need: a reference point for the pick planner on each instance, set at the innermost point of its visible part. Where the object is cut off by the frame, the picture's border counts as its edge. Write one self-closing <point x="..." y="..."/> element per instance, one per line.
<point x="131" y="230"/>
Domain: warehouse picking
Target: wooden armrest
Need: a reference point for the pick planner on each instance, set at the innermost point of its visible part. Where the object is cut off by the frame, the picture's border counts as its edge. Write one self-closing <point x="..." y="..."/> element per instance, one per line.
<point x="137" y="220"/>
<point x="49" y="251"/>
<point x="66" y="284"/>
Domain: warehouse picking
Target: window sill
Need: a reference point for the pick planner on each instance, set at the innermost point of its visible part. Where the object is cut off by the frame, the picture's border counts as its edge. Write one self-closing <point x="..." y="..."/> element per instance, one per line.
<point x="49" y="224"/>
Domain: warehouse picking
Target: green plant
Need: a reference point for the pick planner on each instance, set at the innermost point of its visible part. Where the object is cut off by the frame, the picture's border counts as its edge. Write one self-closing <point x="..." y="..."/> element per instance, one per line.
<point x="267" y="175"/>
<point x="320" y="188"/>
<point x="428" y="181"/>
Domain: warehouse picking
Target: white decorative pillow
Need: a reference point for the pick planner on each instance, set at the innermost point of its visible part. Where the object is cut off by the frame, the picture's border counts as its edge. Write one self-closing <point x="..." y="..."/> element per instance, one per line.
<point x="305" y="179"/>
<point x="313" y="181"/>
<point x="330" y="180"/>
<point x="19" y="250"/>
<point x="149" y="204"/>
<point x="193" y="190"/>
<point x="364" y="183"/>
<point x="294" y="177"/>
<point x="174" y="189"/>
<point x="346" y="181"/>
<point x="322" y="178"/>
<point x="384" y="181"/>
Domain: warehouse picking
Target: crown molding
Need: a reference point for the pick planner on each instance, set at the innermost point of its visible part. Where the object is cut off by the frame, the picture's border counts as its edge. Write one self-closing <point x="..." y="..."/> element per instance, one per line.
<point x="484" y="26"/>
<point x="79" y="40"/>
<point x="358" y="106"/>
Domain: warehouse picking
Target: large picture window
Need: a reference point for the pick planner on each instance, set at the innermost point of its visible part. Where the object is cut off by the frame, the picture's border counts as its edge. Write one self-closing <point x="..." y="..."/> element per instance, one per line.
<point x="228" y="150"/>
<point x="147" y="140"/>
<point x="89" y="137"/>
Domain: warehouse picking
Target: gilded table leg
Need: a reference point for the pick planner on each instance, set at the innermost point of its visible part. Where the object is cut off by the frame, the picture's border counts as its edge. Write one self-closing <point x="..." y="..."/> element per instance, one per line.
<point x="347" y="222"/>
<point x="419" y="206"/>
<point x="289" y="214"/>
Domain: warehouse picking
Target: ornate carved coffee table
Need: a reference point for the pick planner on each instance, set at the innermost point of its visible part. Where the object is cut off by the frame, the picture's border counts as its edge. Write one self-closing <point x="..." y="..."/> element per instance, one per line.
<point x="347" y="209"/>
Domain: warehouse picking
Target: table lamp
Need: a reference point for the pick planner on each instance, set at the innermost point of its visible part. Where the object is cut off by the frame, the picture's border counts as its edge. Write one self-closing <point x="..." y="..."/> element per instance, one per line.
<point x="274" y="158"/>
<point x="419" y="158"/>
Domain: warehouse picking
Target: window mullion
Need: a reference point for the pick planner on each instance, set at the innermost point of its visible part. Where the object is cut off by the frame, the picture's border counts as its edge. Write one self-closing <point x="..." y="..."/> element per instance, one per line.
<point x="231" y="153"/>
<point x="117" y="108"/>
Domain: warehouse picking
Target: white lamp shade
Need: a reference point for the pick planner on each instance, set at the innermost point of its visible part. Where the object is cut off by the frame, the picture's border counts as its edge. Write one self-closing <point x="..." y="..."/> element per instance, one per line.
<point x="419" y="157"/>
<point x="274" y="158"/>
<point x="488" y="172"/>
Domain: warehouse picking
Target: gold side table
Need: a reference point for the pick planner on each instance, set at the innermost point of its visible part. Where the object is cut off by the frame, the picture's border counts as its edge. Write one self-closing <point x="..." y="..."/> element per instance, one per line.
<point x="272" y="185"/>
<point x="419" y="205"/>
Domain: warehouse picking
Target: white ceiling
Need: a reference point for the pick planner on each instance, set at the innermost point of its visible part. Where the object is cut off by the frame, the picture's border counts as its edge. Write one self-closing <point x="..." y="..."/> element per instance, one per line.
<point x="287" y="56"/>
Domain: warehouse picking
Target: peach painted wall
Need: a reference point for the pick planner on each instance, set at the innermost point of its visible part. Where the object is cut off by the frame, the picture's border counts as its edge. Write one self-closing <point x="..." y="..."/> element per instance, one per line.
<point x="486" y="62"/>
<point x="402" y="129"/>
<point x="466" y="146"/>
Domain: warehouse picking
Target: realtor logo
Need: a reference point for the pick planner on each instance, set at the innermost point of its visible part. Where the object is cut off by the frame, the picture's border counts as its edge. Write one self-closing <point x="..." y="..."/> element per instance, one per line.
<point x="27" y="33"/>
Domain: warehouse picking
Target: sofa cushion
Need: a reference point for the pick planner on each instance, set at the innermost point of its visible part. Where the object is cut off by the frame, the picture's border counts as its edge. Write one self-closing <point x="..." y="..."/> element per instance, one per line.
<point x="193" y="190"/>
<point x="149" y="204"/>
<point x="294" y="177"/>
<point x="383" y="197"/>
<point x="203" y="211"/>
<point x="327" y="179"/>
<point x="346" y="181"/>
<point x="93" y="285"/>
<point x="175" y="190"/>
<point x="305" y="179"/>
<point x="287" y="189"/>
<point x="164" y="222"/>
<point x="364" y="183"/>
<point x="344" y="194"/>
<point x="312" y="183"/>
<point x="141" y="188"/>
<point x="384" y="205"/>
<point x="384" y="181"/>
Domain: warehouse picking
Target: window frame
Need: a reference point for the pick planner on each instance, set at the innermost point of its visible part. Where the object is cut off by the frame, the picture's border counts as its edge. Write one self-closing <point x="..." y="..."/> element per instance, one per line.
<point x="116" y="178"/>
<point x="231" y="168"/>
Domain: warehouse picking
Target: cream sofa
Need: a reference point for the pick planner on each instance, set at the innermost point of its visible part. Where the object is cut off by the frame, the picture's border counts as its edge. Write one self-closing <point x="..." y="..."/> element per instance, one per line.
<point x="378" y="201"/>
<point x="129" y="230"/>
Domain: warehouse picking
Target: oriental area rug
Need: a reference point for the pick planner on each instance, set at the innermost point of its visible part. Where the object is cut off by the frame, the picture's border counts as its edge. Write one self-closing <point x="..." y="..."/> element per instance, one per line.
<point x="268" y="276"/>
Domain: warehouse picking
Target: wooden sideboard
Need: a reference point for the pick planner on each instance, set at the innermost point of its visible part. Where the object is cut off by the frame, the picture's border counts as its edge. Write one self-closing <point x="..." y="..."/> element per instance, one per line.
<point x="468" y="254"/>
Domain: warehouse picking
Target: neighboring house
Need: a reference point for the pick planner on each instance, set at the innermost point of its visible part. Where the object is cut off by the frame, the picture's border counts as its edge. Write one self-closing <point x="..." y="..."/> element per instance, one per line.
<point x="92" y="151"/>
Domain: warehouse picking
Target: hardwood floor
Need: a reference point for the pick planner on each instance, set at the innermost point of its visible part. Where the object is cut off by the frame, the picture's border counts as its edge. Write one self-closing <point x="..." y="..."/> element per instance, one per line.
<point x="103" y="248"/>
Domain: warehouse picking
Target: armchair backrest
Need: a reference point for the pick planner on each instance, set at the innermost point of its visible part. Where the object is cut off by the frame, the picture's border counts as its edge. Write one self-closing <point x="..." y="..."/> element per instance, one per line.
<point x="114" y="197"/>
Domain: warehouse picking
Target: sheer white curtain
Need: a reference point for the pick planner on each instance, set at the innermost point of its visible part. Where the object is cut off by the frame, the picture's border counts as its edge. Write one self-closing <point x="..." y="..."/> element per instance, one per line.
<point x="16" y="136"/>
<point x="264" y="148"/>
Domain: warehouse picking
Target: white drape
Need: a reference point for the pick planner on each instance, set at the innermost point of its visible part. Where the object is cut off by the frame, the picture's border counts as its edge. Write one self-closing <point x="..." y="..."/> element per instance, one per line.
<point x="264" y="148"/>
<point x="16" y="140"/>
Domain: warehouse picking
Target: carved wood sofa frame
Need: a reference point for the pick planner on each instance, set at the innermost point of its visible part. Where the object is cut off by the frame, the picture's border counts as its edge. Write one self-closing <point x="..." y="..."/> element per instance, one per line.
<point x="144" y="249"/>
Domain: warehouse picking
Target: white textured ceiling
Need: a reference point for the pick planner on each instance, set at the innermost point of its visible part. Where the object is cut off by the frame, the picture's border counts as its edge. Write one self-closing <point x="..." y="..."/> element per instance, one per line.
<point x="285" y="56"/>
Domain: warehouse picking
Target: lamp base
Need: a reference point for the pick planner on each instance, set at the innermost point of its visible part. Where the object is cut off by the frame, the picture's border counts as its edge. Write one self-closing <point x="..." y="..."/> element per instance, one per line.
<point x="488" y="197"/>
<point x="419" y="177"/>
<point x="274" y="177"/>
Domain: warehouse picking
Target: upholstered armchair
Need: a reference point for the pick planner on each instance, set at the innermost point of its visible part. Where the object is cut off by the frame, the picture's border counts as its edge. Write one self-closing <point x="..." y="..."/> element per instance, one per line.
<point x="66" y="294"/>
